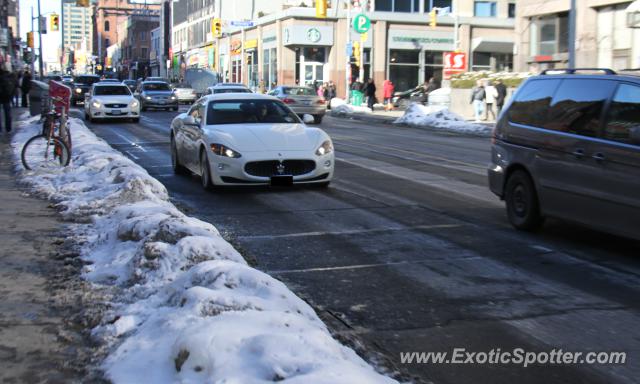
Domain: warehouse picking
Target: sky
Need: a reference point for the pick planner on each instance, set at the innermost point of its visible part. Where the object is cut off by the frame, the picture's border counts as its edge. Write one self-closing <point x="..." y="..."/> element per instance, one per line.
<point x="51" y="41"/>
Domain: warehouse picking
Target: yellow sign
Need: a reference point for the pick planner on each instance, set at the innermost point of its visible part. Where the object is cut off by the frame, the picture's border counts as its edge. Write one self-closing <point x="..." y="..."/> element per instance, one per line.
<point x="364" y="36"/>
<point x="30" y="39"/>
<point x="251" y="44"/>
<point x="236" y="47"/>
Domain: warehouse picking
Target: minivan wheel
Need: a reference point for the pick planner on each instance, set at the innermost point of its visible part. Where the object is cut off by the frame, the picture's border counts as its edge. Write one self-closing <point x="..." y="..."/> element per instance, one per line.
<point x="523" y="208"/>
<point x="205" y="172"/>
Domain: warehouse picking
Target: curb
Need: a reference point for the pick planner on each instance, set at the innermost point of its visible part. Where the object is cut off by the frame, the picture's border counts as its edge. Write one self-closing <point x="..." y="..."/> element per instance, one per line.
<point x="365" y="117"/>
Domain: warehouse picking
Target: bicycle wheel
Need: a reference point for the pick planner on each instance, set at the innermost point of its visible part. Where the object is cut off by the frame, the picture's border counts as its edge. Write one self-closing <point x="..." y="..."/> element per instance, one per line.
<point x="41" y="152"/>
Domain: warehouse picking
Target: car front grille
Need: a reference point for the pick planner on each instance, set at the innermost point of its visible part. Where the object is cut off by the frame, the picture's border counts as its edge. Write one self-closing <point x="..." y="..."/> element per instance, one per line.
<point x="115" y="105"/>
<point x="270" y="168"/>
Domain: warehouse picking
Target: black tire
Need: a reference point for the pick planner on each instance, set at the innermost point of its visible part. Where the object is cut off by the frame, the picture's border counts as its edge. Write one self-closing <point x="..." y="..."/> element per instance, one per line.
<point x="36" y="148"/>
<point x="317" y="119"/>
<point x="74" y="102"/>
<point x="323" y="185"/>
<point x="135" y="120"/>
<point x="175" y="108"/>
<point x="205" y="172"/>
<point x="143" y="108"/>
<point x="523" y="207"/>
<point x="178" y="169"/>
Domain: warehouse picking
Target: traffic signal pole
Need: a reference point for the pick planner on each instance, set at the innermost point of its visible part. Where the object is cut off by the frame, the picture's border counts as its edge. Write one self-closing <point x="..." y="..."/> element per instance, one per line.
<point x="40" y="65"/>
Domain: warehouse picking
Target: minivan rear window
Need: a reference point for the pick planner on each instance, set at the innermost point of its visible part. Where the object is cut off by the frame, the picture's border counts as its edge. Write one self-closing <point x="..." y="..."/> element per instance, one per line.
<point x="531" y="105"/>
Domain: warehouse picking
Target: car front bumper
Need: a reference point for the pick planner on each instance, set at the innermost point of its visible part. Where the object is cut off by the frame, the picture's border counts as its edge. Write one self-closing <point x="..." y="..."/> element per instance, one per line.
<point x="159" y="103"/>
<point x="114" y="113"/>
<point x="231" y="171"/>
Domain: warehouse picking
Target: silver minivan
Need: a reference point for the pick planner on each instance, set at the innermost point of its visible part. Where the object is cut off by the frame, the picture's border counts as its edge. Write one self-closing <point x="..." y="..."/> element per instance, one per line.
<point x="568" y="146"/>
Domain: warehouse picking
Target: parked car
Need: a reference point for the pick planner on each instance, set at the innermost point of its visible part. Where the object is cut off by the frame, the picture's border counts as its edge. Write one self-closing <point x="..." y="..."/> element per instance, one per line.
<point x="131" y="84"/>
<point x="227" y="88"/>
<point x="156" y="94"/>
<point x="302" y="100"/>
<point x="403" y="99"/>
<point x="568" y="146"/>
<point x="81" y="84"/>
<point x="108" y="100"/>
<point x="249" y="139"/>
<point x="184" y="92"/>
<point x="200" y="79"/>
<point x="67" y="78"/>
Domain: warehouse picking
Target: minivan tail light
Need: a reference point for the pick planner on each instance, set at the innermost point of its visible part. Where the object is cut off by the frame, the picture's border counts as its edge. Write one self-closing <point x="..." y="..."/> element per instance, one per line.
<point x="287" y="100"/>
<point x="321" y="101"/>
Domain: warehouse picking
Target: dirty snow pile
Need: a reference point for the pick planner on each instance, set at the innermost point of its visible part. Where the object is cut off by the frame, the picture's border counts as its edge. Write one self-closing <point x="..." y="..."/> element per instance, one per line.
<point x="439" y="117"/>
<point x="340" y="107"/>
<point x="187" y="308"/>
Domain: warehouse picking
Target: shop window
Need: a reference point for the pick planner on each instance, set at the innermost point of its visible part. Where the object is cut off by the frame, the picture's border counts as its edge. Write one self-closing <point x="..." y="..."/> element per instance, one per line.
<point x="404" y="57"/>
<point x="485" y="9"/>
<point x="481" y="61"/>
<point x="404" y="69"/>
<point x="314" y="54"/>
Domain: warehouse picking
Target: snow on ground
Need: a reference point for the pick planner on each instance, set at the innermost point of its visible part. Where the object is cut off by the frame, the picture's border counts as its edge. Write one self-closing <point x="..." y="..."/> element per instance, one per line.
<point x="339" y="106"/>
<point x="187" y="308"/>
<point x="418" y="115"/>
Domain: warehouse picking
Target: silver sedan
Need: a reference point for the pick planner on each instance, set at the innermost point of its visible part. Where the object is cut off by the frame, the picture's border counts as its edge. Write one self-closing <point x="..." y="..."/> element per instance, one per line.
<point x="302" y="100"/>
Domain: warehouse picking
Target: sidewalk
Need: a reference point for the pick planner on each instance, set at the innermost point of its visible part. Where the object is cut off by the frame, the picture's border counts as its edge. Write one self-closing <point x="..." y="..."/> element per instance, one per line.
<point x="39" y="288"/>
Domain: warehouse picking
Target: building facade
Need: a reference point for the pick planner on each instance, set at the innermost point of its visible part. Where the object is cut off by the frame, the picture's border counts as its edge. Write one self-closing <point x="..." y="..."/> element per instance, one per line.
<point x="289" y="45"/>
<point x="77" y="25"/>
<point x="603" y="37"/>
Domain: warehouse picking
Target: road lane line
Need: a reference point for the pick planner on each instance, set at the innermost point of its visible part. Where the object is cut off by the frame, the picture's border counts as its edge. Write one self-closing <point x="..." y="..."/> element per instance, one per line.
<point x="348" y="232"/>
<point x="132" y="155"/>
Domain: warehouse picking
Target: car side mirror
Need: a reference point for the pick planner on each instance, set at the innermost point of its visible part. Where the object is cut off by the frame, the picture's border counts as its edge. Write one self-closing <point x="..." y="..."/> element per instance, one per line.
<point x="190" y="121"/>
<point x="634" y="134"/>
<point x="307" y="118"/>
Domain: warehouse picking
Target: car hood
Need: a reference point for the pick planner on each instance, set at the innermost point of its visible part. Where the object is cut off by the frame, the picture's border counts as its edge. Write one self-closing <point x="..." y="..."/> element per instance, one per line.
<point x="266" y="137"/>
<point x="113" y="99"/>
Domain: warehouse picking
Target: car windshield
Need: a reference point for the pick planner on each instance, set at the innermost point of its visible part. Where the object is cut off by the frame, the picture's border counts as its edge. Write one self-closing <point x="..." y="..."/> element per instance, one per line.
<point x="182" y="85"/>
<point x="87" y="79"/>
<point x="111" y="91"/>
<point x="249" y="112"/>
<point x="299" y="91"/>
<point x="231" y="90"/>
<point x="130" y="82"/>
<point x="156" y="87"/>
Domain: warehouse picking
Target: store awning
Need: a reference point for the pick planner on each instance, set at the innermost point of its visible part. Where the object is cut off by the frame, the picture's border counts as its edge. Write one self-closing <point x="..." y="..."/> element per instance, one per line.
<point x="492" y="44"/>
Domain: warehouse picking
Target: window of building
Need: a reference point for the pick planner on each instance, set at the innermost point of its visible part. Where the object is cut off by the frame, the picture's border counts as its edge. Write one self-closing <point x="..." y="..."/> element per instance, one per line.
<point x="550" y="35"/>
<point x="511" y="11"/>
<point x="106" y="26"/>
<point x="107" y="43"/>
<point x="484" y="9"/>
<point x="143" y="36"/>
<point x="397" y="5"/>
<point x="433" y="64"/>
<point x="404" y="68"/>
<point x="624" y="114"/>
<point x="269" y="67"/>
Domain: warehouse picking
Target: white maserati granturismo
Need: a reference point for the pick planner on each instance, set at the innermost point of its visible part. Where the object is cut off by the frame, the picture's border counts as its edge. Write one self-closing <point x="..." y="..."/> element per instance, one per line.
<point x="249" y="139"/>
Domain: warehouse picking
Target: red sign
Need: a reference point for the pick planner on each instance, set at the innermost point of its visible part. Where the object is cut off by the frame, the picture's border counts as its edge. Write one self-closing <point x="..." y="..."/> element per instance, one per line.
<point x="60" y="90"/>
<point x="454" y="62"/>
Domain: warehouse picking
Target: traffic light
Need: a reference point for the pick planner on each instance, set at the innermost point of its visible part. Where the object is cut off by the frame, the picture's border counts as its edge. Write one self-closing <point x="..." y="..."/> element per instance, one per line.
<point x="321" y="9"/>
<point x="356" y="53"/>
<point x="30" y="39"/>
<point x="216" y="27"/>
<point x="55" y="22"/>
<point x="432" y="17"/>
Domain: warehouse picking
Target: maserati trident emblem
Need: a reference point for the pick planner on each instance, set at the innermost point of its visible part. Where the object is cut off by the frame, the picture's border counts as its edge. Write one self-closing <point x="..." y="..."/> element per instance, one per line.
<point x="280" y="168"/>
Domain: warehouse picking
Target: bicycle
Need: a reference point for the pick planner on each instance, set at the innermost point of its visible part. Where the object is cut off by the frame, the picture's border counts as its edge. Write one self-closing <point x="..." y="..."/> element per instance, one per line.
<point x="48" y="150"/>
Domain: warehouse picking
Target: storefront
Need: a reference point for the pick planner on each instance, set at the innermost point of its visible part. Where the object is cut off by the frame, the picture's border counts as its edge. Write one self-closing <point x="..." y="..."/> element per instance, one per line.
<point x="312" y="45"/>
<point x="269" y="61"/>
<point x="415" y="56"/>
<point x="236" y="61"/>
<point x="251" y="57"/>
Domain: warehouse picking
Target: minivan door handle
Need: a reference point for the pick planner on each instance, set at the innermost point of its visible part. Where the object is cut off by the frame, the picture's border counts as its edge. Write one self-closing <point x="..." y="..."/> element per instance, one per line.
<point x="579" y="153"/>
<point x="598" y="156"/>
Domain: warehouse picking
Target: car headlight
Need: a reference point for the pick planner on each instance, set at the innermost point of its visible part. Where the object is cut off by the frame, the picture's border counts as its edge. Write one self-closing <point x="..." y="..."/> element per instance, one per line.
<point x="325" y="148"/>
<point x="221" y="150"/>
<point x="134" y="104"/>
<point x="173" y="97"/>
<point x="95" y="104"/>
<point x="78" y="90"/>
<point x="148" y="97"/>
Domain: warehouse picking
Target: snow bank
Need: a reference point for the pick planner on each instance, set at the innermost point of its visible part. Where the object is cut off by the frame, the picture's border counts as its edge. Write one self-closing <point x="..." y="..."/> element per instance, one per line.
<point x="187" y="308"/>
<point x="339" y="106"/>
<point x="439" y="117"/>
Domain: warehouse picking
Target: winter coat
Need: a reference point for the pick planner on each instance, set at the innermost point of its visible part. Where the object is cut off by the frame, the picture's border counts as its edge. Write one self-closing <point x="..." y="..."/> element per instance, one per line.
<point x="502" y="94"/>
<point x="477" y="94"/>
<point x="26" y="82"/>
<point x="388" y="89"/>
<point x="370" y="89"/>
<point x="332" y="92"/>
<point x="491" y="94"/>
<point x="8" y="85"/>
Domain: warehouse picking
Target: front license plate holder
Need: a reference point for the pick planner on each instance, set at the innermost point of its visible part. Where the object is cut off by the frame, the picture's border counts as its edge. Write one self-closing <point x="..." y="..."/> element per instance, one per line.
<point x="281" y="180"/>
<point x="116" y="112"/>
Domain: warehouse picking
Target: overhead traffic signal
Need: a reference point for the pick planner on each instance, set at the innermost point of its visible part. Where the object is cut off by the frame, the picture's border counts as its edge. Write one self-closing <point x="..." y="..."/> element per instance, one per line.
<point x="30" y="39"/>
<point x="356" y="53"/>
<point x="321" y="9"/>
<point x="55" y="22"/>
<point x="216" y="27"/>
<point x="433" y="15"/>
<point x="82" y="3"/>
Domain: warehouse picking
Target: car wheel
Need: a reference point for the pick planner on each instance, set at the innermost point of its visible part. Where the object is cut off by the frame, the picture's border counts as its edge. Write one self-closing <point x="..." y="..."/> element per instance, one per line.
<point x="323" y="185"/>
<point x="143" y="108"/>
<point x="135" y="120"/>
<point x="178" y="169"/>
<point x="175" y="108"/>
<point x="523" y="207"/>
<point x="205" y="172"/>
<point x="317" y="119"/>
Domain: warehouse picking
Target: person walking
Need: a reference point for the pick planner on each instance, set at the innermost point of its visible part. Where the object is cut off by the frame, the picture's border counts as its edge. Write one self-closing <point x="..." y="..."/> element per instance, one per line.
<point x="16" y="94"/>
<point x="477" y="99"/>
<point x="331" y="93"/>
<point x="7" y="92"/>
<point x="25" y="88"/>
<point x="502" y="95"/>
<point x="491" y="94"/>
<point x="387" y="91"/>
<point x="370" y="92"/>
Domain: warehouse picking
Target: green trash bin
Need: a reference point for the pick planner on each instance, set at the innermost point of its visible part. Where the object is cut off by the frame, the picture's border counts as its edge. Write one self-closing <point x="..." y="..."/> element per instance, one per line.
<point x="357" y="98"/>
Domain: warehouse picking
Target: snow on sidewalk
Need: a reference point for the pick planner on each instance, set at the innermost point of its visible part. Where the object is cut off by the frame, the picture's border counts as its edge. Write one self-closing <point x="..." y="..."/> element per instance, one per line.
<point x="186" y="307"/>
<point x="418" y="115"/>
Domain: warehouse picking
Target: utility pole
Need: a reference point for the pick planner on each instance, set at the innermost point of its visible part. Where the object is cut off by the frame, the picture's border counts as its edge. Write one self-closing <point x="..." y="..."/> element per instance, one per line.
<point x="40" y="65"/>
<point x="572" y="35"/>
<point x="32" y="49"/>
<point x="348" y="66"/>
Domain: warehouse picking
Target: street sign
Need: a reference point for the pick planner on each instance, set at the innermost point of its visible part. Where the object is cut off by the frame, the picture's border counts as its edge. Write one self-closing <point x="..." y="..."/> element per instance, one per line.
<point x="454" y="62"/>
<point x="242" y="23"/>
<point x="364" y="37"/>
<point x="361" y="23"/>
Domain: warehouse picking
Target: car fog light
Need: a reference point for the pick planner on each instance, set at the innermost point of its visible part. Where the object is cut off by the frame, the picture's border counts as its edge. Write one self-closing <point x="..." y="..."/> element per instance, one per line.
<point x="327" y="163"/>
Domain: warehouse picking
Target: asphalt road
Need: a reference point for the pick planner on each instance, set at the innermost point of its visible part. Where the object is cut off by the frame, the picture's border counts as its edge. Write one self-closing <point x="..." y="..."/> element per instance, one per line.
<point x="408" y="251"/>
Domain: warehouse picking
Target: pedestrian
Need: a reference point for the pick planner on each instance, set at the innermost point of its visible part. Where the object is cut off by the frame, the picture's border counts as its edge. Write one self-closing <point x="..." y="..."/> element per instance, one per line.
<point x="331" y="93"/>
<point x="320" y="89"/>
<point x="370" y="92"/>
<point x="387" y="90"/>
<point x="261" y="87"/>
<point x="502" y="95"/>
<point x="25" y="88"/>
<point x="7" y="92"/>
<point x="16" y="94"/>
<point x="477" y="99"/>
<point x="491" y="94"/>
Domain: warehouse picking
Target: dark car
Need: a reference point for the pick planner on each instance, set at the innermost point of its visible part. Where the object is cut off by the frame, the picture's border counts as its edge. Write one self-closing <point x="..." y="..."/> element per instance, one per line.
<point x="156" y="94"/>
<point x="403" y="99"/>
<point x="131" y="84"/>
<point x="568" y="146"/>
<point x="82" y="84"/>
